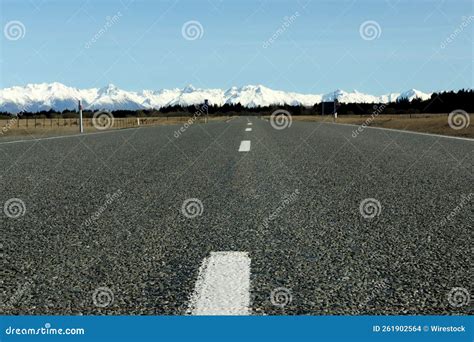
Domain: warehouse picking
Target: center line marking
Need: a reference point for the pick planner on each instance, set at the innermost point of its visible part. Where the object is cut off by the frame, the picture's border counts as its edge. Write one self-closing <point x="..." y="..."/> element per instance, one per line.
<point x="249" y="123"/>
<point x="223" y="285"/>
<point x="248" y="130"/>
<point x="244" y="146"/>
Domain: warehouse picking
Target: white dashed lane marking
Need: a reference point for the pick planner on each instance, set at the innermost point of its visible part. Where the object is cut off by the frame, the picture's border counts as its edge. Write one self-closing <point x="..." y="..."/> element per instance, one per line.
<point x="249" y="123"/>
<point x="223" y="285"/>
<point x="248" y="130"/>
<point x="244" y="146"/>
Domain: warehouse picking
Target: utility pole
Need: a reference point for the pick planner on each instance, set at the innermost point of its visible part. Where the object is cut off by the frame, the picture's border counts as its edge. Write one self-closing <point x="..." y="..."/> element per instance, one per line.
<point x="81" y="126"/>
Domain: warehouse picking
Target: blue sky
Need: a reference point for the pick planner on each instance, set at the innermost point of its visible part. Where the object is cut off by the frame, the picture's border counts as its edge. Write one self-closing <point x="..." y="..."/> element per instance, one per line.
<point x="320" y="49"/>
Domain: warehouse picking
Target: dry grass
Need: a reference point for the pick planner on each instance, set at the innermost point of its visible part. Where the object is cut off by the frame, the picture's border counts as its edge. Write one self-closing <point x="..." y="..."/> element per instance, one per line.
<point x="426" y="123"/>
<point x="59" y="126"/>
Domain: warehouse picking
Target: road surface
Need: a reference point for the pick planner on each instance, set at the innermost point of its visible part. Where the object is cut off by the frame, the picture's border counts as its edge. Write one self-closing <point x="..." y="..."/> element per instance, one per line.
<point x="237" y="218"/>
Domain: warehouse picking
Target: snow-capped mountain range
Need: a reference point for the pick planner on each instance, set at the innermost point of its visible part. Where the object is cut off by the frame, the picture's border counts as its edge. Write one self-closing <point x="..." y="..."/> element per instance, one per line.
<point x="57" y="96"/>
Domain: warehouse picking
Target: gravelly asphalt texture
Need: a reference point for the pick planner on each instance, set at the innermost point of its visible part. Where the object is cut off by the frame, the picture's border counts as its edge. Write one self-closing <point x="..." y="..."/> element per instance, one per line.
<point x="309" y="179"/>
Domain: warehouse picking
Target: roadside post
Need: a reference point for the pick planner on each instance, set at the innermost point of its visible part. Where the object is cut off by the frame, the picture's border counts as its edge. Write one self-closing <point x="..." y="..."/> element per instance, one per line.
<point x="81" y="126"/>
<point x="336" y="105"/>
<point x="206" y="104"/>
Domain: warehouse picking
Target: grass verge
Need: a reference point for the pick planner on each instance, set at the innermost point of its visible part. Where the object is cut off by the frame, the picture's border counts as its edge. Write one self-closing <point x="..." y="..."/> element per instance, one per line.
<point x="425" y="123"/>
<point x="46" y="127"/>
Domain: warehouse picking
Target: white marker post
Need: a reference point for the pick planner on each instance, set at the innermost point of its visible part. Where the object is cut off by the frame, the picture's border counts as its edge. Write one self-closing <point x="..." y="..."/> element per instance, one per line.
<point x="81" y="126"/>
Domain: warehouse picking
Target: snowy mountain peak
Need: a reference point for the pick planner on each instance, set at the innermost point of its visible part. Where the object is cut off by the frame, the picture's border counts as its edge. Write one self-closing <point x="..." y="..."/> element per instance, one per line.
<point x="109" y="89"/>
<point x="413" y="94"/>
<point x="57" y="96"/>
<point x="189" y="88"/>
<point x="338" y="94"/>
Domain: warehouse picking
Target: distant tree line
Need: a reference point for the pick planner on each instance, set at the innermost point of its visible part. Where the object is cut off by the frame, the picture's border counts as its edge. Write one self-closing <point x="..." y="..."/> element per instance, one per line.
<point x="439" y="103"/>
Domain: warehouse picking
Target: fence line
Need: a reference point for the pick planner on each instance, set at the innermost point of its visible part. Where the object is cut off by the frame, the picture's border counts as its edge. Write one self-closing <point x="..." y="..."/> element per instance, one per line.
<point x="38" y="122"/>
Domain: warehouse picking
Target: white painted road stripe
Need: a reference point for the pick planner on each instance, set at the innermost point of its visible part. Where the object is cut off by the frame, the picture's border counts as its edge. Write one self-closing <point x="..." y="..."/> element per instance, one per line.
<point x="244" y="146"/>
<point x="403" y="131"/>
<point x="248" y="130"/>
<point x="223" y="285"/>
<point x="249" y="123"/>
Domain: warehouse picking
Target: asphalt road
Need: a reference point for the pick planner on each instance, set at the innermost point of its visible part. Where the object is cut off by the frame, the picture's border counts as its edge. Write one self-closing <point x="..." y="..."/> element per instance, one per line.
<point x="105" y="211"/>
